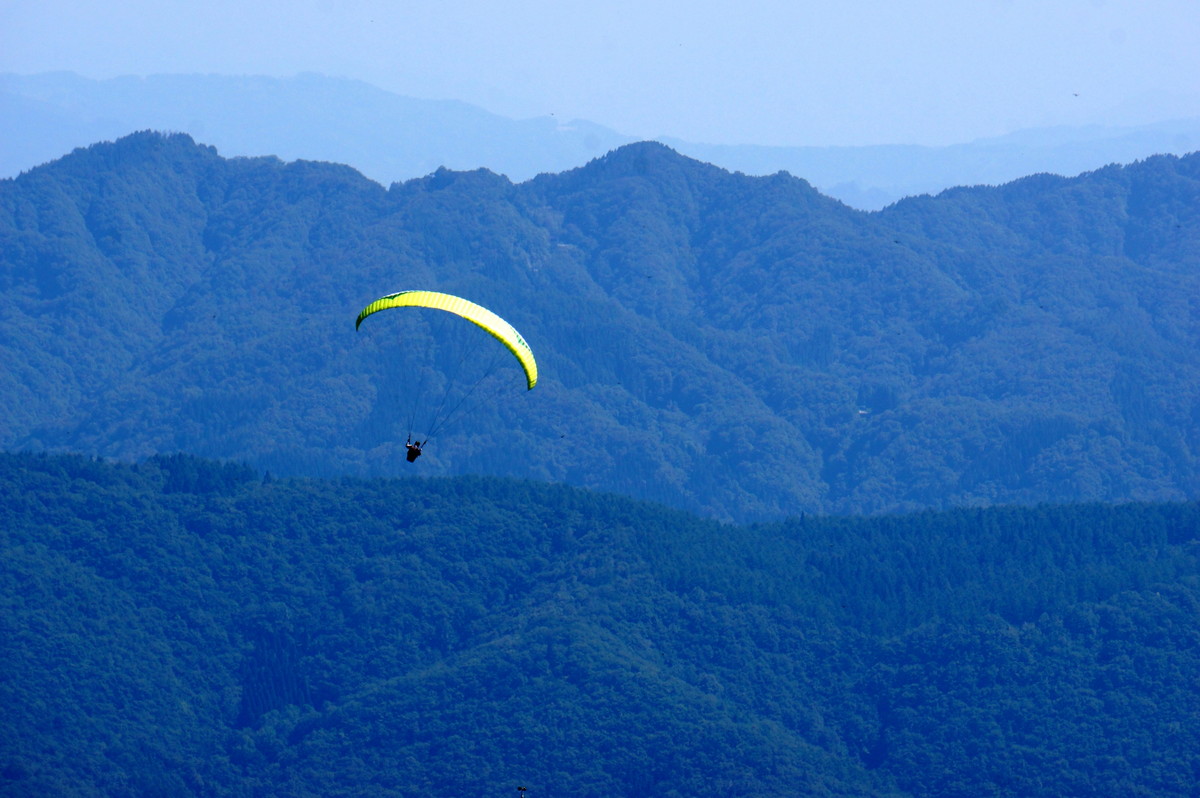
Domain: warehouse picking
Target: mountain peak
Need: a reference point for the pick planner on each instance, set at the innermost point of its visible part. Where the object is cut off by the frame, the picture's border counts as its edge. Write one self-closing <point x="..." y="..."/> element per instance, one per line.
<point x="642" y="158"/>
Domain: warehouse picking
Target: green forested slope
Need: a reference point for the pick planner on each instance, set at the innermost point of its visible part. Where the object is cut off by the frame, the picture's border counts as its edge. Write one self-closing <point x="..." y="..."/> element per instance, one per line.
<point x="182" y="627"/>
<point x="742" y="347"/>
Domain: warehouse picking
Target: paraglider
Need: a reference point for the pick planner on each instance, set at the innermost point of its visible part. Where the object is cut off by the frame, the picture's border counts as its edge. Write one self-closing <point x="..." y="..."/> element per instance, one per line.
<point x="477" y="314"/>
<point x="457" y="392"/>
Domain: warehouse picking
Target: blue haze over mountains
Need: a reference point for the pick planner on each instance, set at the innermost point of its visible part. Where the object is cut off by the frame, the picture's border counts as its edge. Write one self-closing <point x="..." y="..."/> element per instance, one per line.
<point x="393" y="138"/>
<point x="744" y="348"/>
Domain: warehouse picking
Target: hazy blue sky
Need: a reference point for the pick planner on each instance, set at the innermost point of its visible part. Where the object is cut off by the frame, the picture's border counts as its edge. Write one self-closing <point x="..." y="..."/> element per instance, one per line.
<point x="787" y="72"/>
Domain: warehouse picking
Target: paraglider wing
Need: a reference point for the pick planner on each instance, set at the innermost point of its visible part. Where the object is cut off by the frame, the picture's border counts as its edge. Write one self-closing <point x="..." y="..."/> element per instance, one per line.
<point x="477" y="314"/>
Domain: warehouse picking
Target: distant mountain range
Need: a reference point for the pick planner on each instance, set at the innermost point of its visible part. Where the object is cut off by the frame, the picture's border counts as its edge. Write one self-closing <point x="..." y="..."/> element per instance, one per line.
<point x="392" y="138"/>
<point x="739" y="346"/>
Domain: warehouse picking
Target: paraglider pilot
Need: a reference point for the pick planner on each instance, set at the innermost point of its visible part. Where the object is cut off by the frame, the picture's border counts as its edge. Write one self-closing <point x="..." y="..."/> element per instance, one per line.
<point x="414" y="450"/>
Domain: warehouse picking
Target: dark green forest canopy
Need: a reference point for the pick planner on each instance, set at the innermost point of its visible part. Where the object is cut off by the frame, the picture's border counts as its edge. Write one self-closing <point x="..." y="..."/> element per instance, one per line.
<point x="186" y="627"/>
<point x="738" y="346"/>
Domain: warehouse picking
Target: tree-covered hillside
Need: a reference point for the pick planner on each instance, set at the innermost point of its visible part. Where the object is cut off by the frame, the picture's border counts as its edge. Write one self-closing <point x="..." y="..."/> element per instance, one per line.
<point x="182" y="627"/>
<point x="742" y="347"/>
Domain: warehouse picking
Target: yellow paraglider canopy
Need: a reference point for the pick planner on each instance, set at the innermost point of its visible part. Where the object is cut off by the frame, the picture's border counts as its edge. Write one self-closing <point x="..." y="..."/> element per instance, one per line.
<point x="477" y="314"/>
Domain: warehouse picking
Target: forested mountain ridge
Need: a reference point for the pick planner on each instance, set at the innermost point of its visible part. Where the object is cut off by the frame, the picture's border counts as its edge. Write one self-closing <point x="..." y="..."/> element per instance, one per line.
<point x="743" y="347"/>
<point x="181" y="627"/>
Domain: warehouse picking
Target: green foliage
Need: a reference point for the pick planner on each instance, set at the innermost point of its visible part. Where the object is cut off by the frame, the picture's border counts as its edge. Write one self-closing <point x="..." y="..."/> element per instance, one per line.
<point x="737" y="346"/>
<point x="187" y="627"/>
